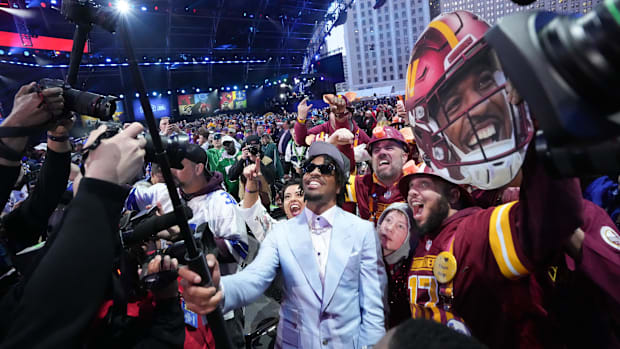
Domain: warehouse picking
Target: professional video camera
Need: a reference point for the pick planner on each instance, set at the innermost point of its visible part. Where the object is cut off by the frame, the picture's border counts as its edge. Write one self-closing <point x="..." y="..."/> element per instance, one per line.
<point x="175" y="145"/>
<point x="567" y="70"/>
<point x="82" y="102"/>
<point x="137" y="231"/>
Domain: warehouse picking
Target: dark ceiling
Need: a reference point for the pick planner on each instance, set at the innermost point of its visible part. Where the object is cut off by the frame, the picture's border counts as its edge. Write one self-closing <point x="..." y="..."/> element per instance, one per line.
<point x="276" y="31"/>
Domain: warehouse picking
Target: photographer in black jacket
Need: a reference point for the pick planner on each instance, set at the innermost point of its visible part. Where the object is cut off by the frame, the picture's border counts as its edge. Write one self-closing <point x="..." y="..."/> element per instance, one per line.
<point x="24" y="225"/>
<point x="250" y="152"/>
<point x="56" y="304"/>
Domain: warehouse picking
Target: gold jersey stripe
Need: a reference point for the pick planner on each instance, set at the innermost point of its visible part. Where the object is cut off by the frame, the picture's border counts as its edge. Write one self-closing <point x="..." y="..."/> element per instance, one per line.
<point x="502" y="244"/>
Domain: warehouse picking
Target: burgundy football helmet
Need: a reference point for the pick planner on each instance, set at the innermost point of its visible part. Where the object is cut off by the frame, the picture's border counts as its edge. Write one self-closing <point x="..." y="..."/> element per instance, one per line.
<point x="458" y="99"/>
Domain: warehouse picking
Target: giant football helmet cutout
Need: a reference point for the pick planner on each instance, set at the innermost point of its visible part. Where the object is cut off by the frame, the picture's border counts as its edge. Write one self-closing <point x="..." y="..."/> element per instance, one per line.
<point x="457" y="98"/>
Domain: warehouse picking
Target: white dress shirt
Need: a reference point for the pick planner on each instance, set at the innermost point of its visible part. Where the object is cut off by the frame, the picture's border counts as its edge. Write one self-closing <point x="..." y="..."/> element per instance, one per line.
<point x="320" y="233"/>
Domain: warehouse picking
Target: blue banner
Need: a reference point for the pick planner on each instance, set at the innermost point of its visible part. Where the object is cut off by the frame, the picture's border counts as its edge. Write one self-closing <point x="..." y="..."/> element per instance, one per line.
<point x="160" y="106"/>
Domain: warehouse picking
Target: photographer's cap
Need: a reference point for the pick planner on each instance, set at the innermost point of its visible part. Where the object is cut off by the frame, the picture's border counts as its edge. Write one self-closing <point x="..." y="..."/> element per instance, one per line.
<point x="324" y="148"/>
<point x="196" y="154"/>
<point x="252" y="140"/>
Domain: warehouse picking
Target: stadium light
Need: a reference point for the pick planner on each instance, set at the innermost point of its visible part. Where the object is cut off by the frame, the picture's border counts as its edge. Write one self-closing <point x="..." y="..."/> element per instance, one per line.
<point x="123" y="7"/>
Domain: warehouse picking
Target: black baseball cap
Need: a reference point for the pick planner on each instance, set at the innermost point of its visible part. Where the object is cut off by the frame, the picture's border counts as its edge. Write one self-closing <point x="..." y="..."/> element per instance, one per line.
<point x="252" y="140"/>
<point x="196" y="154"/>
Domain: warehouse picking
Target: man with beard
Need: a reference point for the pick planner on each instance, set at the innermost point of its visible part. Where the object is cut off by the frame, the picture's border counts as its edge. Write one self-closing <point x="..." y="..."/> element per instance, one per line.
<point x="471" y="269"/>
<point x="340" y="130"/>
<point x="373" y="192"/>
<point x="330" y="262"/>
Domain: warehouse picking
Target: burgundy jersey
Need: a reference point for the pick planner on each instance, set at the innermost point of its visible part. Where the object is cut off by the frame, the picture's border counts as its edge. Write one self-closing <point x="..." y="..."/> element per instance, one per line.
<point x="371" y="196"/>
<point x="496" y="249"/>
<point x="490" y="292"/>
<point x="582" y="296"/>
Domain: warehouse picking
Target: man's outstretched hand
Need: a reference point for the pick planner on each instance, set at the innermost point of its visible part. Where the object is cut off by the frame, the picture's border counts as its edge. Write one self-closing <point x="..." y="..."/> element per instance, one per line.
<point x="201" y="299"/>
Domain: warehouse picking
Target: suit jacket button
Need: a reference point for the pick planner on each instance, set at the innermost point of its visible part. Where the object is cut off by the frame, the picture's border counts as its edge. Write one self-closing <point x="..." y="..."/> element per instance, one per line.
<point x="324" y="341"/>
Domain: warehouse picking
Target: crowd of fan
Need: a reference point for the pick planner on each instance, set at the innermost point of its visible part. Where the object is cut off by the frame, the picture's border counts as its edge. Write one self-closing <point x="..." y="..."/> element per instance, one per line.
<point x="337" y="210"/>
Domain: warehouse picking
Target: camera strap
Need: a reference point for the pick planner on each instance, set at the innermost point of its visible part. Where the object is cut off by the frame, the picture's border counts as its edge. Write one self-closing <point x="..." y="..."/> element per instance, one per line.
<point x="12" y="132"/>
<point x="87" y="150"/>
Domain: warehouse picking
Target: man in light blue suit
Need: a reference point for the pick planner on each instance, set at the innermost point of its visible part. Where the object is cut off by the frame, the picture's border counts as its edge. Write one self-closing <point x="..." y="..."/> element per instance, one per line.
<point x="330" y="262"/>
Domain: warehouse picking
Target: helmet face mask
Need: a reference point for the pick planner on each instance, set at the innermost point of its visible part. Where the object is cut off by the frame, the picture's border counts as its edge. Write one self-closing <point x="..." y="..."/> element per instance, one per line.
<point x="464" y="125"/>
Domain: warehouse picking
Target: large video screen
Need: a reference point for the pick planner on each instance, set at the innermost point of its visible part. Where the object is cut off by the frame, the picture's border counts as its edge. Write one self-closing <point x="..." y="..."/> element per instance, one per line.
<point x="160" y="106"/>
<point x="233" y="100"/>
<point x="198" y="104"/>
<point x="331" y="67"/>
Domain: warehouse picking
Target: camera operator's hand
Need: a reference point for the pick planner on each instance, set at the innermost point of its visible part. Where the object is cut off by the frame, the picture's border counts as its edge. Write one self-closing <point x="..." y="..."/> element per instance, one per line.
<point x="117" y="159"/>
<point x="199" y="299"/>
<point x="341" y="136"/>
<point x="31" y="108"/>
<point x="158" y="264"/>
<point x="59" y="131"/>
<point x="302" y="109"/>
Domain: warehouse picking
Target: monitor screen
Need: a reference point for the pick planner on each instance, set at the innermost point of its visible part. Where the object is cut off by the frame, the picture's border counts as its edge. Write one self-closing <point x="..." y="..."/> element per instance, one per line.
<point x="233" y="100"/>
<point x="197" y="104"/>
<point x="160" y="106"/>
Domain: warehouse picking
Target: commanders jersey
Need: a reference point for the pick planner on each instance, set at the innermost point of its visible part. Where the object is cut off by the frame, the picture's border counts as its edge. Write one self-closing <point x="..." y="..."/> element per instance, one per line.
<point x="495" y="250"/>
<point x="371" y="196"/>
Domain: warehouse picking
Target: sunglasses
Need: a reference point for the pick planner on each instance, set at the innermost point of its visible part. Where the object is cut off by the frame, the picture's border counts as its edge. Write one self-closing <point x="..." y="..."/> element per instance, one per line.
<point x="324" y="168"/>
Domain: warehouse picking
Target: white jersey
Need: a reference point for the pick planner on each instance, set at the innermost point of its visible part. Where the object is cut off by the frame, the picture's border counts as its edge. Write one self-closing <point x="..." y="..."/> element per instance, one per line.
<point x="258" y="219"/>
<point x="218" y="209"/>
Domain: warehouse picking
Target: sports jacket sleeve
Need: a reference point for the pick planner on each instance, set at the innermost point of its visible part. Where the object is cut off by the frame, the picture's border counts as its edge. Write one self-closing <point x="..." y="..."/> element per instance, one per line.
<point x="247" y="285"/>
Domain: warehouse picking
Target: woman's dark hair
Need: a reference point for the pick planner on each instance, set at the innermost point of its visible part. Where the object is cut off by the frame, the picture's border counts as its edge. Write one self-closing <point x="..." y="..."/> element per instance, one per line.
<point x="341" y="179"/>
<point x="293" y="181"/>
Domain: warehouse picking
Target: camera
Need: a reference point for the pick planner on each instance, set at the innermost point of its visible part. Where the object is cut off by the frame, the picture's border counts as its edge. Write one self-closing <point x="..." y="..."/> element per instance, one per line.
<point x="175" y="145"/>
<point x="566" y="68"/>
<point x="254" y="149"/>
<point x="82" y="102"/>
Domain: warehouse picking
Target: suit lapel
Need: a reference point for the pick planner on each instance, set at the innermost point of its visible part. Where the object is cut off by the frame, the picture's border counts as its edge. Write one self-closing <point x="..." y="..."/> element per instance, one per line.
<point x="301" y="246"/>
<point x="340" y="246"/>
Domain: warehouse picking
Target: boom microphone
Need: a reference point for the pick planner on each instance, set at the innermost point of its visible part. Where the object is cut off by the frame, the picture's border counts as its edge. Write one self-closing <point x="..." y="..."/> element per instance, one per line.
<point x="152" y="226"/>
